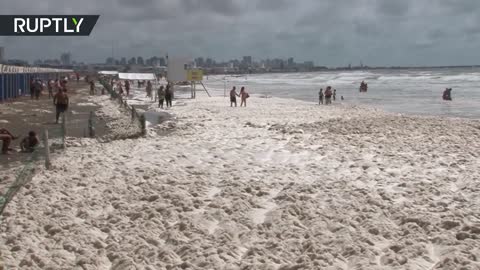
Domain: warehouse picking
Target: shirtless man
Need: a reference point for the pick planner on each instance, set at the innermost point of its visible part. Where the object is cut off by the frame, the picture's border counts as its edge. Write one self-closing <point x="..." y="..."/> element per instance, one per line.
<point x="233" y="97"/>
<point x="60" y="100"/>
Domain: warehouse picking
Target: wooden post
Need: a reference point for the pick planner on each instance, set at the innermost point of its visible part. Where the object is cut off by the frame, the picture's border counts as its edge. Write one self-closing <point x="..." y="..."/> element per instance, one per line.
<point x="133" y="113"/>
<point x="91" y="128"/>
<point x="47" y="150"/>
<point x="64" y="130"/>
<point x="143" y="124"/>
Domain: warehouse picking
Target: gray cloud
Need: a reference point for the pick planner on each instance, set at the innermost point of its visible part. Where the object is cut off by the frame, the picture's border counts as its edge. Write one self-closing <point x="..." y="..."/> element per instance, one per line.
<point x="330" y="32"/>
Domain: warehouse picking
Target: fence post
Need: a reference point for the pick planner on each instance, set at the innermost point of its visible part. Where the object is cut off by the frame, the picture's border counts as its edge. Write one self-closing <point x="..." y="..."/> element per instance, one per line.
<point x="64" y="130"/>
<point x="143" y="124"/>
<point x="91" y="128"/>
<point x="47" y="150"/>
<point x="133" y="113"/>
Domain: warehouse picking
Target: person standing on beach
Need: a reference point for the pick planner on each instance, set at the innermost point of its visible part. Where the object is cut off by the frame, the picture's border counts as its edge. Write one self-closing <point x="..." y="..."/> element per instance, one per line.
<point x="328" y="95"/>
<point x="320" y="97"/>
<point x="161" y="96"/>
<point x="243" y="96"/>
<point x="169" y="95"/>
<point x="149" y="89"/>
<point x="38" y="88"/>
<point x="32" y="88"/>
<point x="127" y="87"/>
<point x="233" y="96"/>
<point x="92" y="88"/>
<point x="60" y="100"/>
<point x="50" y="88"/>
<point x="334" y="94"/>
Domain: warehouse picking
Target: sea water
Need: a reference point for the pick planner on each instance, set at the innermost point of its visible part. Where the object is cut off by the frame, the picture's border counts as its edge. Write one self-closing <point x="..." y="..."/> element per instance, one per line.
<point x="416" y="92"/>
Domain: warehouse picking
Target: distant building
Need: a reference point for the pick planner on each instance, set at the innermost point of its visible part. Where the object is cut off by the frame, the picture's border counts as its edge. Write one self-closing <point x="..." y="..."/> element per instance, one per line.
<point x="110" y="61"/>
<point x="140" y="61"/>
<point x="132" y="61"/>
<point x="247" y="61"/>
<point x="162" y="62"/>
<point x="2" y="55"/>
<point x="209" y="62"/>
<point x="200" y="62"/>
<point x="308" y="64"/>
<point x="66" y="59"/>
<point x="123" y="61"/>
<point x="290" y="62"/>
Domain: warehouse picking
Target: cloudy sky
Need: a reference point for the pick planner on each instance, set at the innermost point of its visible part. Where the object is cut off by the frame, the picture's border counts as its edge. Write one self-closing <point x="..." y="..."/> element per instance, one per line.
<point x="329" y="32"/>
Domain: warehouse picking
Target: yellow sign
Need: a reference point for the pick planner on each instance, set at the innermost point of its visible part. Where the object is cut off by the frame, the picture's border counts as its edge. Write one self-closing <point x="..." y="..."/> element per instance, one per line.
<point x="195" y="75"/>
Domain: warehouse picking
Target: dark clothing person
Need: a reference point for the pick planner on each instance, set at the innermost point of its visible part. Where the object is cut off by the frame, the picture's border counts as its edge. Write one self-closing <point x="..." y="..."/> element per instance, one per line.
<point x="92" y="88"/>
<point x="169" y="96"/>
<point x="447" y="94"/>
<point x="37" y="86"/>
<point x="149" y="89"/>
<point x="61" y="103"/>
<point x="127" y="87"/>
<point x="320" y="97"/>
<point x="29" y="143"/>
<point x="161" y="96"/>
<point x="233" y="97"/>
<point x="32" y="88"/>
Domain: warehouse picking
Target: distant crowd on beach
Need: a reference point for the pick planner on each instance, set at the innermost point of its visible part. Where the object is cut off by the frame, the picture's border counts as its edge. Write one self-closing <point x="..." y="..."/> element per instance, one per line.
<point x="165" y="93"/>
<point x="328" y="96"/>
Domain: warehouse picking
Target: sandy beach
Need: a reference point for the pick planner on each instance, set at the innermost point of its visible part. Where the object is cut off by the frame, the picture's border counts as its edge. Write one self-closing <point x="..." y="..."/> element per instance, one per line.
<point x="281" y="184"/>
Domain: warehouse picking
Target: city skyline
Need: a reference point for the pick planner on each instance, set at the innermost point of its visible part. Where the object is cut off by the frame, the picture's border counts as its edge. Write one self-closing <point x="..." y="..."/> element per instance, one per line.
<point x="331" y="33"/>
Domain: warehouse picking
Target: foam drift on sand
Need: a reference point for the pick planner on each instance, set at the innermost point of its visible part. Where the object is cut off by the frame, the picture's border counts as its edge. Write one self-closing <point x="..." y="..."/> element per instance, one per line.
<point x="278" y="185"/>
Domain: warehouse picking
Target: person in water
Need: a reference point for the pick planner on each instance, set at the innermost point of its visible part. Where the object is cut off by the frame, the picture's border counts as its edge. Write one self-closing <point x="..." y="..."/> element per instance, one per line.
<point x="328" y="95"/>
<point x="334" y="94"/>
<point x="447" y="94"/>
<point x="320" y="97"/>
<point x="233" y="96"/>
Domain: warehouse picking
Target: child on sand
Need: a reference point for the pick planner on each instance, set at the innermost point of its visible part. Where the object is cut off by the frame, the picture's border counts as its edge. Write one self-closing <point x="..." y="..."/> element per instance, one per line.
<point x="243" y="96"/>
<point x="29" y="143"/>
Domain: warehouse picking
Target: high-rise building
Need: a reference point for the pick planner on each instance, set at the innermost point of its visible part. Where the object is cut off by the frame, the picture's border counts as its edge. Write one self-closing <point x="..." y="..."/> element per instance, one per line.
<point x="209" y="62"/>
<point x="140" y="61"/>
<point x="123" y="61"/>
<point x="2" y="55"/>
<point x="290" y="62"/>
<point x="162" y="62"/>
<point x="66" y="59"/>
<point x="110" y="61"/>
<point x="200" y="62"/>
<point x="247" y="60"/>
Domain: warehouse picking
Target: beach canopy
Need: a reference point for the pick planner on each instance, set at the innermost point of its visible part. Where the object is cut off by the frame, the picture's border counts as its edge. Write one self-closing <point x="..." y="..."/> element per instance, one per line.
<point x="108" y="72"/>
<point x="137" y="76"/>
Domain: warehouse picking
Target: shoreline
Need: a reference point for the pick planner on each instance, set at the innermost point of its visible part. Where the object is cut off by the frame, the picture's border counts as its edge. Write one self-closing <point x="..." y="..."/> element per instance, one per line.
<point x="277" y="184"/>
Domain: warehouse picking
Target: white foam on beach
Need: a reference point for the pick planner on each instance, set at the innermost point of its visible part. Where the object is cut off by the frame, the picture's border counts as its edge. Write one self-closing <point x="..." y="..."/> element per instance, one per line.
<point x="281" y="184"/>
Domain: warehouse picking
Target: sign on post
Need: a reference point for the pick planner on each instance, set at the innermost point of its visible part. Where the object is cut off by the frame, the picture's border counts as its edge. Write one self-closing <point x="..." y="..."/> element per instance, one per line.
<point x="195" y="75"/>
